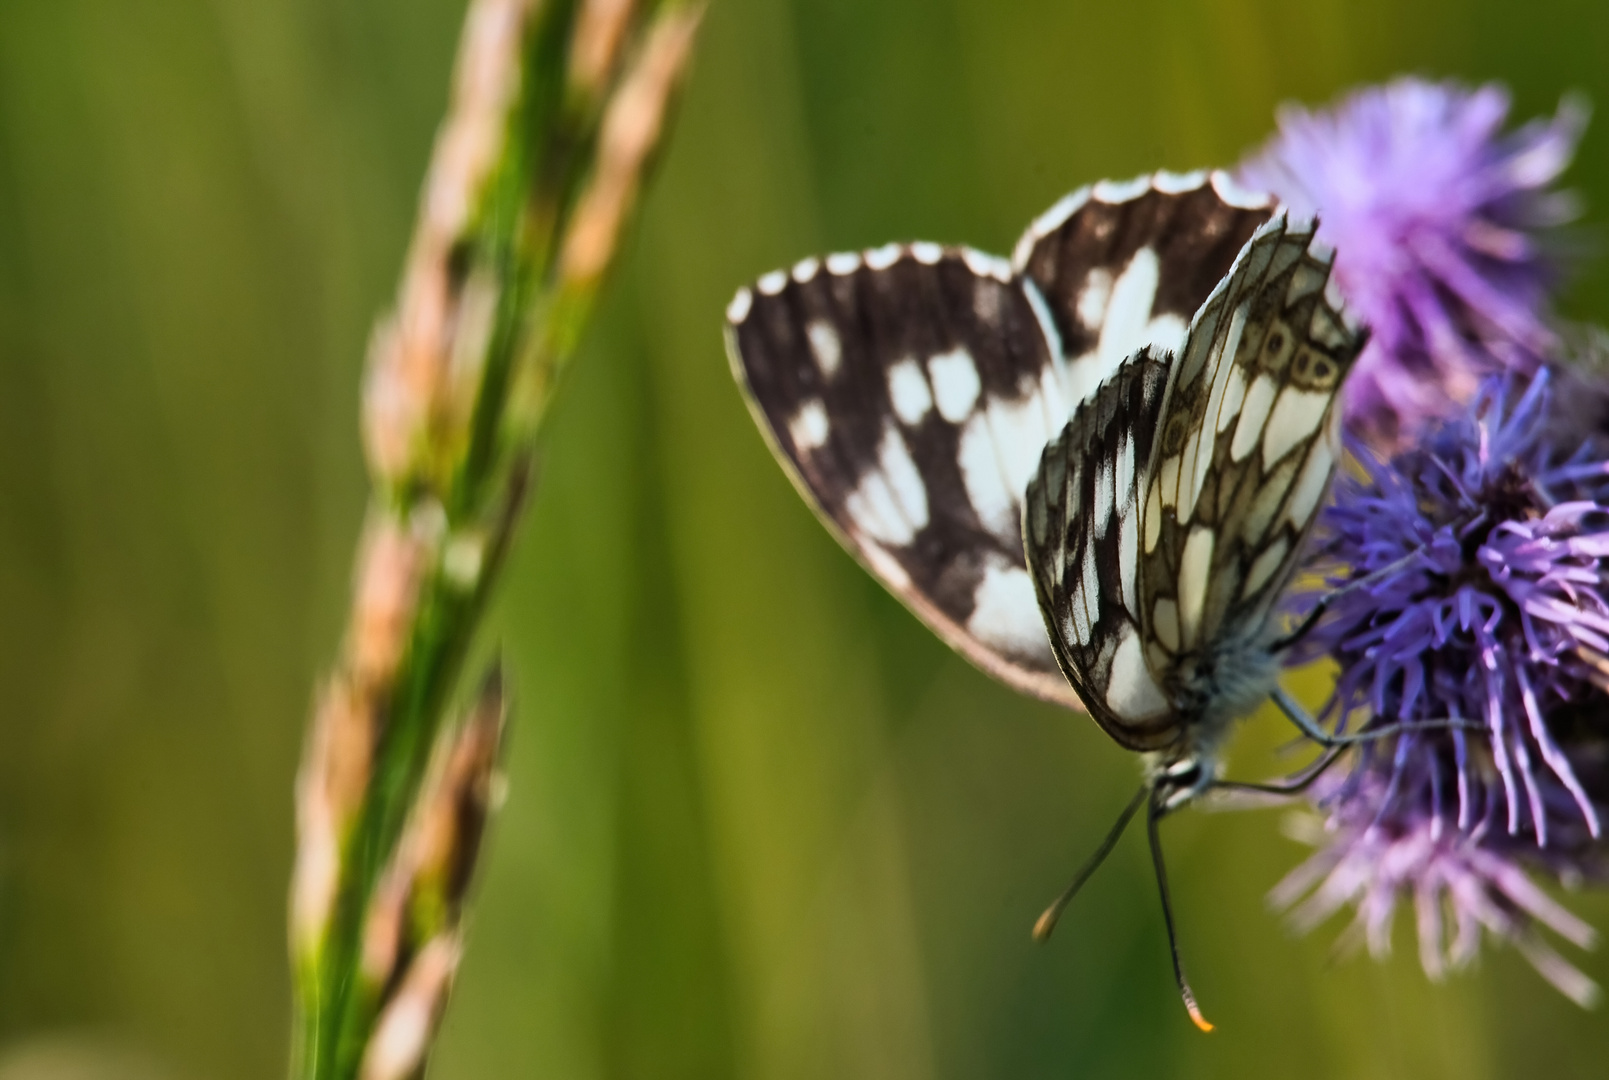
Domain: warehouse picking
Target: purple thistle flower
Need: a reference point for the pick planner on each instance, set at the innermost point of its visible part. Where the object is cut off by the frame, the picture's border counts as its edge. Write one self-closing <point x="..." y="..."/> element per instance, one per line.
<point x="1491" y="609"/>
<point x="1439" y="220"/>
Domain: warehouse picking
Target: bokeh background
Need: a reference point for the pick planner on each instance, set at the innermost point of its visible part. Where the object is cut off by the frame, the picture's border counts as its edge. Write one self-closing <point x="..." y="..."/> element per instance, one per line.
<point x="761" y="824"/>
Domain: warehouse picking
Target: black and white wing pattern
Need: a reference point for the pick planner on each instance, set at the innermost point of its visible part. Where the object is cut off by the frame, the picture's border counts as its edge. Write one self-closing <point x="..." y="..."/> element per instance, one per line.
<point x="1243" y="445"/>
<point x="1081" y="524"/>
<point x="1250" y="441"/>
<point x="910" y="390"/>
<point x="1125" y="265"/>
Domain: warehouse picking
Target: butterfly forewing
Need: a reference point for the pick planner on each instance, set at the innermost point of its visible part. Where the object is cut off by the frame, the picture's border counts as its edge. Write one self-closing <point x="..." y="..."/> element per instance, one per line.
<point x="1125" y="265"/>
<point x="1082" y="535"/>
<point x="1249" y="443"/>
<point x="911" y="390"/>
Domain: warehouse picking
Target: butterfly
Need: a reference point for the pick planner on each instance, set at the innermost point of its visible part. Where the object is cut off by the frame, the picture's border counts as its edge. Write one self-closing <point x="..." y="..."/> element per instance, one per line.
<point x="1120" y="436"/>
<point x="1168" y="515"/>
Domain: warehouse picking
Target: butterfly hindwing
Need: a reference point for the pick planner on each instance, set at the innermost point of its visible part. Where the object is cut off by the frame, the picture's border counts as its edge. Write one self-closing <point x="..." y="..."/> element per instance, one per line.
<point x="1249" y="444"/>
<point x="1082" y="533"/>
<point x="910" y="391"/>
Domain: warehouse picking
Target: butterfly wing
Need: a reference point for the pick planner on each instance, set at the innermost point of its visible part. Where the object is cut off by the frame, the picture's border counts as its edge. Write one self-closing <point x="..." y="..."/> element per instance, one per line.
<point x="1082" y="520"/>
<point x="1125" y="265"/>
<point x="909" y="391"/>
<point x="1250" y="440"/>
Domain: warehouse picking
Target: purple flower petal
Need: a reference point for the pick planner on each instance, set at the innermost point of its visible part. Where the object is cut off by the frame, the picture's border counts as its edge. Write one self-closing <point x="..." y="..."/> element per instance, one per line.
<point x="1503" y="616"/>
<point x="1439" y="219"/>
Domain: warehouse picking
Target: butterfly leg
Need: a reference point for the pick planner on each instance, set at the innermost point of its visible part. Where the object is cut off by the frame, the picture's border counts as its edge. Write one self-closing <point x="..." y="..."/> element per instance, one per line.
<point x="1309" y="727"/>
<point x="1047" y="921"/>
<point x="1154" y="815"/>
<point x="1311" y="619"/>
<point x="1289" y="787"/>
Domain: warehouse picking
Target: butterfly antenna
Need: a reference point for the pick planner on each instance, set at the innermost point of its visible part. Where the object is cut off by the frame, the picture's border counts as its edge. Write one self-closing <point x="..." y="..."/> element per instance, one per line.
<point x="1047" y="921"/>
<point x="1154" y="816"/>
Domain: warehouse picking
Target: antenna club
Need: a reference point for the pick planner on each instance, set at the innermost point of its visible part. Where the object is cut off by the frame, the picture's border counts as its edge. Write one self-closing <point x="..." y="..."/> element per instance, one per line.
<point x="1195" y="1015"/>
<point x="1045" y="924"/>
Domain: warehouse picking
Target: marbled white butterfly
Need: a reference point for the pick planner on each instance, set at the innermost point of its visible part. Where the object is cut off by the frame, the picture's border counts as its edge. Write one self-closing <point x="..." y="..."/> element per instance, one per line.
<point x="910" y="390"/>
<point x="1167" y="516"/>
<point x="913" y="392"/>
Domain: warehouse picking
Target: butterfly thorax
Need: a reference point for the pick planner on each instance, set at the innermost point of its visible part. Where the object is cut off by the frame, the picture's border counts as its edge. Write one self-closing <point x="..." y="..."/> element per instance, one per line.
<point x="1210" y="689"/>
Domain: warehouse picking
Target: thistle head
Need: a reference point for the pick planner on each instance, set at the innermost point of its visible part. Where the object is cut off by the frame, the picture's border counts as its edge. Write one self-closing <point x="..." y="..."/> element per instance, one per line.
<point x="1441" y="221"/>
<point x="1484" y="631"/>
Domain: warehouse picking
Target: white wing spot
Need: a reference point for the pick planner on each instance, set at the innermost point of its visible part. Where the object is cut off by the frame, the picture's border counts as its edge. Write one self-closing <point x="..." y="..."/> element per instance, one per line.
<point x="1091" y="584"/>
<point x="1005" y="611"/>
<point x="1125" y="470"/>
<point x="1047" y="326"/>
<point x="1264" y="506"/>
<point x="1076" y="629"/>
<point x="805" y="269"/>
<point x="1020" y="431"/>
<point x="1239" y="197"/>
<point x="1195" y="566"/>
<point x="842" y="263"/>
<point x="986" y="297"/>
<point x="1191" y="475"/>
<point x="739" y="308"/>
<point x="1153" y="517"/>
<point x="1310" y="486"/>
<point x="955" y="384"/>
<point x="927" y="253"/>
<point x="1122" y="191"/>
<point x="1131" y="692"/>
<point x="1128" y="312"/>
<point x="884" y="257"/>
<point x="1252" y="414"/>
<point x="1100" y="509"/>
<point x="1165" y="623"/>
<point x="1234" y="394"/>
<point x="1166" y="333"/>
<point x="907" y="387"/>
<point x="1296" y="415"/>
<point x="1325" y="329"/>
<point x="886" y="566"/>
<point x="773" y="283"/>
<point x="1093" y="297"/>
<point x="1171" y="183"/>
<point x="1170" y="481"/>
<point x="825" y="344"/>
<point x="1306" y="279"/>
<point x="809" y="428"/>
<point x="980" y="473"/>
<point x="1272" y="558"/>
<point x="1128" y="557"/>
<point x="891" y="502"/>
<point x="986" y="265"/>
<point x="1121" y="309"/>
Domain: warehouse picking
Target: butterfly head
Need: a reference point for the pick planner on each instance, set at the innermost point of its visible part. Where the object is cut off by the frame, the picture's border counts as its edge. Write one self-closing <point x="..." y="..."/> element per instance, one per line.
<point x="1175" y="783"/>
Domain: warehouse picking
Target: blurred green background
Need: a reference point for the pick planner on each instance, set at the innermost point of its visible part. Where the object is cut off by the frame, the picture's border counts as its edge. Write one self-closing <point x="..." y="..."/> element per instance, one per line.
<point x="761" y="823"/>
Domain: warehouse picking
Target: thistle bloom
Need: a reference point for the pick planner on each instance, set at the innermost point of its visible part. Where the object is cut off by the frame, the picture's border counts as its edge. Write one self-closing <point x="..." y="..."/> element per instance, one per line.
<point x="1439" y="220"/>
<point x="1488" y="609"/>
